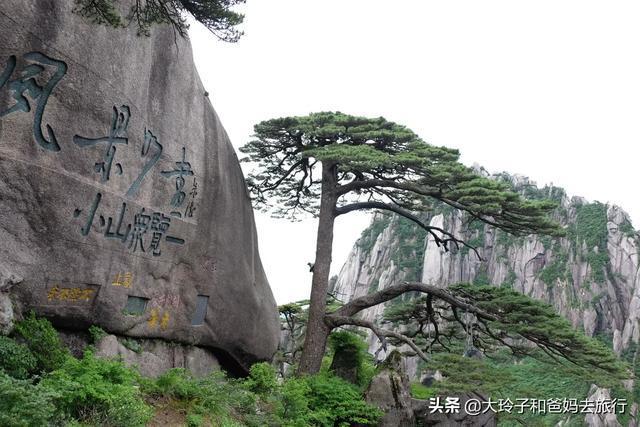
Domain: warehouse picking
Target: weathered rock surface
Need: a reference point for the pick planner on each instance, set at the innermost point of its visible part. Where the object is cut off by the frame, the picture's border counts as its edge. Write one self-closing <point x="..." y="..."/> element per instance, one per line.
<point x="6" y="313"/>
<point x="600" y="418"/>
<point x="120" y="189"/>
<point x="389" y="391"/>
<point x="153" y="357"/>
<point x="7" y="316"/>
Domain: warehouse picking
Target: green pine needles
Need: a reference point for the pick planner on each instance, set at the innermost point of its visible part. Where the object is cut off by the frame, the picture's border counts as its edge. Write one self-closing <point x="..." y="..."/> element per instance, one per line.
<point x="377" y="160"/>
<point x="329" y="164"/>
<point x="216" y="15"/>
<point x="508" y="319"/>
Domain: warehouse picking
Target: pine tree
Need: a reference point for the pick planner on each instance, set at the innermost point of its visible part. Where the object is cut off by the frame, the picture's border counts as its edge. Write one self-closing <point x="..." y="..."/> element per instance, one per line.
<point x="329" y="164"/>
<point x="215" y="15"/>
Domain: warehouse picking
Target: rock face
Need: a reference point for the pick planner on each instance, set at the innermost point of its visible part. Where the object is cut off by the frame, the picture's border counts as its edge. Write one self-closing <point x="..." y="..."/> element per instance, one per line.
<point x="153" y="357"/>
<point x="389" y="391"/>
<point x="592" y="276"/>
<point x="122" y="203"/>
<point x="606" y="419"/>
<point x="7" y="316"/>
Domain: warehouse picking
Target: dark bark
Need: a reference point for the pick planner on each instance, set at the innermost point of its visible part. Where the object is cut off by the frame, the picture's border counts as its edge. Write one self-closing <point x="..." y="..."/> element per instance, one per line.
<point x="337" y="321"/>
<point x="357" y="305"/>
<point x="442" y="239"/>
<point x="318" y="331"/>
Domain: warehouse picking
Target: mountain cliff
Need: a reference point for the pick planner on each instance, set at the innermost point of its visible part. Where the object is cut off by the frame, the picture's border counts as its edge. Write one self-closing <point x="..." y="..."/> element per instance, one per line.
<point x="590" y="276"/>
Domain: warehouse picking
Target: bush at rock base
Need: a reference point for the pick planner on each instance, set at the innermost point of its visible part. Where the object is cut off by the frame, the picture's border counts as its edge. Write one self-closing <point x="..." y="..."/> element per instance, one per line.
<point x="22" y="403"/>
<point x="102" y="391"/>
<point x="16" y="359"/>
<point x="41" y="383"/>
<point x="259" y="400"/>
<point x="43" y="341"/>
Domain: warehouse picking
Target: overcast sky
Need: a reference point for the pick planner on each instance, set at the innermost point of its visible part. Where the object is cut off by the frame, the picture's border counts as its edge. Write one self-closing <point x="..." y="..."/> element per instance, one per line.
<point x="547" y="89"/>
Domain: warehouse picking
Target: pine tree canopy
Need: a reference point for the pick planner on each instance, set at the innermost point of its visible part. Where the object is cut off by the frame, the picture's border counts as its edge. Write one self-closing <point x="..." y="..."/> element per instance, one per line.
<point x="379" y="165"/>
<point x="505" y="319"/>
<point x="329" y="164"/>
<point x="215" y="15"/>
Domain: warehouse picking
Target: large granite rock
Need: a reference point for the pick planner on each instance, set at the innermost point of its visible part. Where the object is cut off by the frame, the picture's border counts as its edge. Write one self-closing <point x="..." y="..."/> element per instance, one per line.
<point x="122" y="203"/>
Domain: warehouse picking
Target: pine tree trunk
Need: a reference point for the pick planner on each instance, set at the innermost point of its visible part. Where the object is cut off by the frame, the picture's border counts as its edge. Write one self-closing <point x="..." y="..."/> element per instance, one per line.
<point x="317" y="332"/>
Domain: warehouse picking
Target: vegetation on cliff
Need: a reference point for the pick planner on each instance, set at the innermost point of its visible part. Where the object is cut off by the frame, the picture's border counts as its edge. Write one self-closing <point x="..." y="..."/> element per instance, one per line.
<point x="585" y="241"/>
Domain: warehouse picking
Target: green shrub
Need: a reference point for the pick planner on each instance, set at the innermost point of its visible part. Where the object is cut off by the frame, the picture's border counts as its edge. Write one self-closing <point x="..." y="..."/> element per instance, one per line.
<point x="259" y="400"/>
<point x="420" y="391"/>
<point x="295" y="402"/>
<point x="262" y="378"/>
<point x="333" y="401"/>
<point x="98" y="390"/>
<point x="178" y="384"/>
<point x="221" y="397"/>
<point x="194" y="420"/>
<point x="16" y="359"/>
<point x="24" y="404"/>
<point x="43" y="341"/>
<point x="354" y="352"/>
<point x="132" y="345"/>
<point x="213" y="397"/>
<point x="96" y="333"/>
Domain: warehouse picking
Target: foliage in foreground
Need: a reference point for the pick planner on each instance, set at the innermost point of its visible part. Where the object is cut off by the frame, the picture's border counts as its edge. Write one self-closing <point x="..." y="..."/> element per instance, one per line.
<point x="259" y="400"/>
<point x="502" y="376"/>
<point x="16" y="359"/>
<point x="23" y="403"/>
<point x="43" y="341"/>
<point x="95" y="391"/>
<point x="100" y="390"/>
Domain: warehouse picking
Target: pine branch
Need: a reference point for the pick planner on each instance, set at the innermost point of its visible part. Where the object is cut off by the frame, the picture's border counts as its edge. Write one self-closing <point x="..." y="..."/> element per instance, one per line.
<point x="335" y="321"/>
<point x="357" y="305"/>
<point x="411" y="217"/>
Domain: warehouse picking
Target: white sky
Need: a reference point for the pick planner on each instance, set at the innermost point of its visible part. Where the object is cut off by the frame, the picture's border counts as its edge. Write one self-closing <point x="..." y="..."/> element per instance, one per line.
<point x="547" y="89"/>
